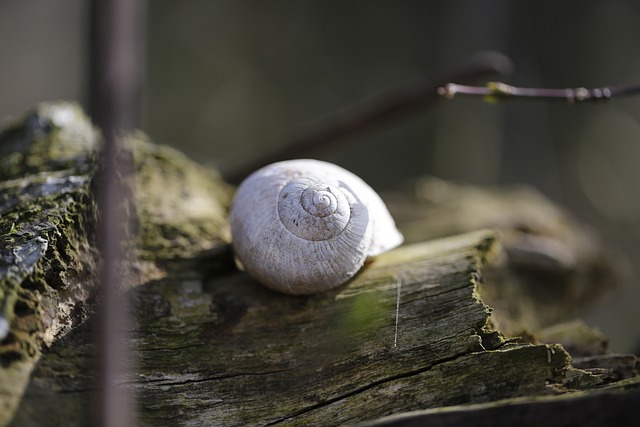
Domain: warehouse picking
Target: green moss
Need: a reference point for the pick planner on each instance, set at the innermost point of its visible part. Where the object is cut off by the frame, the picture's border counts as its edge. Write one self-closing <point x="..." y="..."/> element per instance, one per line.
<point x="54" y="136"/>
<point x="40" y="242"/>
<point x="47" y="164"/>
<point x="45" y="216"/>
<point x="181" y="206"/>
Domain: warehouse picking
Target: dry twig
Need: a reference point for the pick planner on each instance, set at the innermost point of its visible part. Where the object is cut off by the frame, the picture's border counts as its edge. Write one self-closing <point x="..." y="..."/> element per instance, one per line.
<point x="497" y="91"/>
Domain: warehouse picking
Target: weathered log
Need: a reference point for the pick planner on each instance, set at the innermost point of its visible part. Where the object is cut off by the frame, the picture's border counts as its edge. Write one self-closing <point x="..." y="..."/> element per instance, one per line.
<point x="47" y="217"/>
<point x="554" y="266"/>
<point x="210" y="346"/>
<point x="611" y="406"/>
<point x="46" y="255"/>
<point x="226" y="351"/>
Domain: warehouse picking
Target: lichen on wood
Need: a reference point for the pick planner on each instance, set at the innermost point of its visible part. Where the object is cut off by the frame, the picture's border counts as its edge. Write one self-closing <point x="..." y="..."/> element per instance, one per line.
<point x="54" y="136"/>
<point x="46" y="254"/>
<point x="181" y="206"/>
<point x="225" y="350"/>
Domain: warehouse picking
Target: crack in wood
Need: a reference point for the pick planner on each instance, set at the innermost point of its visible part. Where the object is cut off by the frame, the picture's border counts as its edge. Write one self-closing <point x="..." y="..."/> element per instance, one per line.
<point x="366" y="388"/>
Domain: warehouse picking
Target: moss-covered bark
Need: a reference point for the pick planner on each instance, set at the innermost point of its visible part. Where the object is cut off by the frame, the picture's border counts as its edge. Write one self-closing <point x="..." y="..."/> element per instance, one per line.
<point x="226" y="351"/>
<point x="181" y="205"/>
<point x="46" y="255"/>
<point x="223" y="350"/>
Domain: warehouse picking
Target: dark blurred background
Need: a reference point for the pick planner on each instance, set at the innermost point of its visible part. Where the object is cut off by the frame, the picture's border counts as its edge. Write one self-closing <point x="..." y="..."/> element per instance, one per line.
<point x="227" y="79"/>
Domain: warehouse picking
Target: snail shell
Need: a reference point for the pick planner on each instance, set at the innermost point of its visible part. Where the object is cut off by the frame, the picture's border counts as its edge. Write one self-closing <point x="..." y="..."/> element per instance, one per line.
<point x="305" y="226"/>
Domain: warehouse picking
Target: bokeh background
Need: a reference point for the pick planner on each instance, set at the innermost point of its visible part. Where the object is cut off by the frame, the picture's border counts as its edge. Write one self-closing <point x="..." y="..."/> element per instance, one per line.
<point x="226" y="79"/>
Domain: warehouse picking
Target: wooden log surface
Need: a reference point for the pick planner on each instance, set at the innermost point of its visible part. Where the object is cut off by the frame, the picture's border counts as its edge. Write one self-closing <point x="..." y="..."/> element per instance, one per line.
<point x="226" y="351"/>
<point x="554" y="265"/>
<point x="412" y="331"/>
<point x="610" y="406"/>
<point x="47" y="259"/>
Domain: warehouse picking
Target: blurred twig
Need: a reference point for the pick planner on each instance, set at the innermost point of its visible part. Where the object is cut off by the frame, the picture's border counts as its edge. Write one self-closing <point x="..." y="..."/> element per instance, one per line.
<point x="497" y="91"/>
<point x="383" y="109"/>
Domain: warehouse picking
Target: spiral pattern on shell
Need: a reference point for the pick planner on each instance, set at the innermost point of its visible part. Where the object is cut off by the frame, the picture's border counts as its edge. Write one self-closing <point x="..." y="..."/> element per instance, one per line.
<point x="325" y="209"/>
<point x="304" y="226"/>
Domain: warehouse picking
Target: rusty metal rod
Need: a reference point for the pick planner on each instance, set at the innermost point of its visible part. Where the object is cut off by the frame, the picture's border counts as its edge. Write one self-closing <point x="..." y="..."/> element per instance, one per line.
<point x="115" y="56"/>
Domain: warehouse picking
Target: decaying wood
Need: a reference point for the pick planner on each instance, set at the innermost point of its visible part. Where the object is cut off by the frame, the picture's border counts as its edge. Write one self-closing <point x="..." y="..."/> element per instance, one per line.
<point x="226" y="351"/>
<point x="210" y="346"/>
<point x="611" y="406"/>
<point x="553" y="266"/>
<point x="46" y="255"/>
<point x="47" y="217"/>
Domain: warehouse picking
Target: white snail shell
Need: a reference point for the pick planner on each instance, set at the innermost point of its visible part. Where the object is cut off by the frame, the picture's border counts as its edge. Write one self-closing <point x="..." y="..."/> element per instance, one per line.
<point x="305" y="226"/>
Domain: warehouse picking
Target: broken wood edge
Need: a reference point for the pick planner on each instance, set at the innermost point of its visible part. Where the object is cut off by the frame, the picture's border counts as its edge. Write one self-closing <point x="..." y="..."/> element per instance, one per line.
<point x="612" y="405"/>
